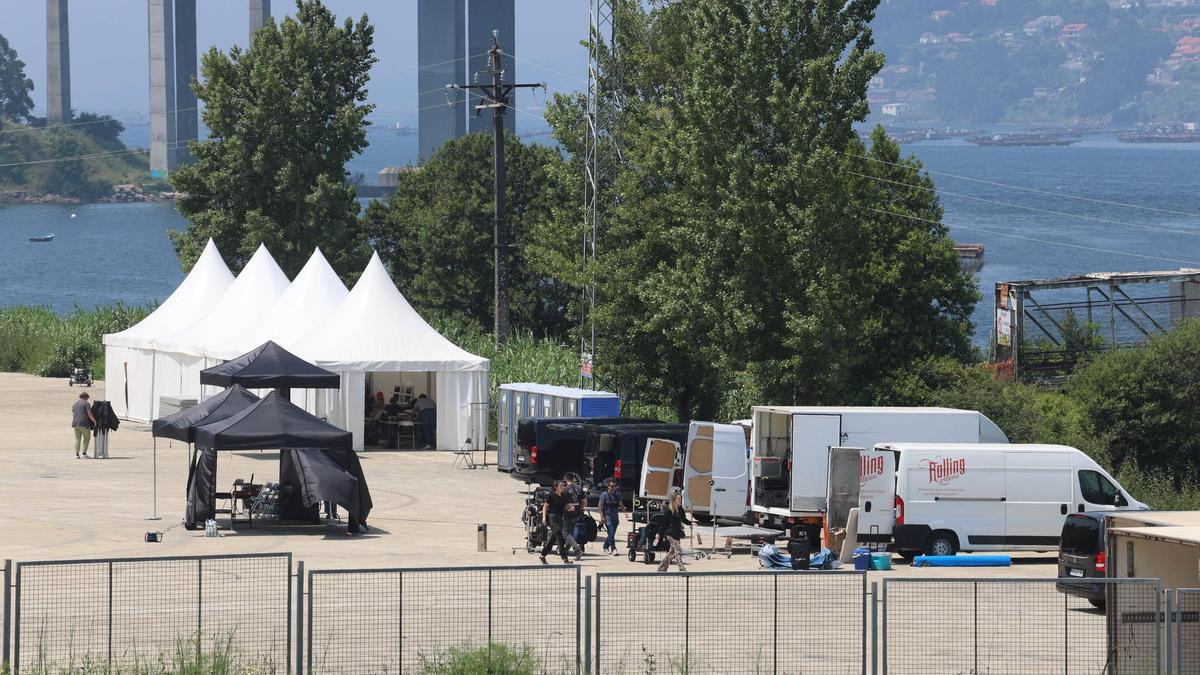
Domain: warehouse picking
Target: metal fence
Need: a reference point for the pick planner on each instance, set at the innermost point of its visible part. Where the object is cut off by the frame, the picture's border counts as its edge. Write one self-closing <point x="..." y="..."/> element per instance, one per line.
<point x="731" y="622"/>
<point x="1023" y="626"/>
<point x="134" y="613"/>
<point x="1184" y="631"/>
<point x="406" y="620"/>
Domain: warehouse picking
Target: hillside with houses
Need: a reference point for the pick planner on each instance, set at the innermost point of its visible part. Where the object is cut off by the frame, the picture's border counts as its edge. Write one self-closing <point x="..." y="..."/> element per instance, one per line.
<point x="1038" y="62"/>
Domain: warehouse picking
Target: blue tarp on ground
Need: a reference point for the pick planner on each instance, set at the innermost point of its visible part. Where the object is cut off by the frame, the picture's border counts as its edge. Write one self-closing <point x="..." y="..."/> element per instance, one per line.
<point x="962" y="561"/>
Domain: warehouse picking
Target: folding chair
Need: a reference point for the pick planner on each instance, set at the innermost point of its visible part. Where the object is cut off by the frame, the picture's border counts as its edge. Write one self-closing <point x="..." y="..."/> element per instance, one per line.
<point x="466" y="457"/>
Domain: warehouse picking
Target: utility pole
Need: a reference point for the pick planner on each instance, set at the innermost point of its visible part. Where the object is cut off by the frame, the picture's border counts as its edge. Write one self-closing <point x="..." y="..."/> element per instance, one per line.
<point x="496" y="97"/>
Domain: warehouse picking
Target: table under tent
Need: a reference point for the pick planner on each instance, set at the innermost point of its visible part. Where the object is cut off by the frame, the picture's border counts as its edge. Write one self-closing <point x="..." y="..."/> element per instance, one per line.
<point x="316" y="464"/>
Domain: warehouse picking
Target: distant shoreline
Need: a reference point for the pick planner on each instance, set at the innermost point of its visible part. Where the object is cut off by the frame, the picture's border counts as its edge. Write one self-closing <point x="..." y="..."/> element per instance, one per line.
<point x="128" y="195"/>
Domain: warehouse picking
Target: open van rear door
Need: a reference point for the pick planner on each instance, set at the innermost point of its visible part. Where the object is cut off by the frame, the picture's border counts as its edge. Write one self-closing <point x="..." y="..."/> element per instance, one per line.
<point x="876" y="496"/>
<point x="658" y="469"/>
<point x="715" y="477"/>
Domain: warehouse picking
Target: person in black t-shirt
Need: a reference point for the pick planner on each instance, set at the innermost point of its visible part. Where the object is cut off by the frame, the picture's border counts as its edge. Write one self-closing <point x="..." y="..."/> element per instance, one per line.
<point x="552" y="519"/>
<point x="576" y="501"/>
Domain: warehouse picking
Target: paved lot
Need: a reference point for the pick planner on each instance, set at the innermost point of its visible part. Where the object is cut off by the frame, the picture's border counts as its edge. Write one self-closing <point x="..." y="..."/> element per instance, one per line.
<point x="53" y="506"/>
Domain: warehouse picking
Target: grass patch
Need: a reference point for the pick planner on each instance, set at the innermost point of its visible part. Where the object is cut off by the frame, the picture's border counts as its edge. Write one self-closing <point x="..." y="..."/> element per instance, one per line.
<point x="39" y="341"/>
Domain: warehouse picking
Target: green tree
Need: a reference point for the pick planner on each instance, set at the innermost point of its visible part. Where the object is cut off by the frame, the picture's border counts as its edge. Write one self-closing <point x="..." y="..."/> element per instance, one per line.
<point x="435" y="232"/>
<point x="751" y="236"/>
<point x="285" y="116"/>
<point x="15" y="103"/>
<point x="1145" y="403"/>
<point x="69" y="177"/>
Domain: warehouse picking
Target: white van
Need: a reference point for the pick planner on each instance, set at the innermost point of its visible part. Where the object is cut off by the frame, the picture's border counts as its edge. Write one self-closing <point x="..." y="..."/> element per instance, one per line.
<point x="954" y="497"/>
<point x="789" y="454"/>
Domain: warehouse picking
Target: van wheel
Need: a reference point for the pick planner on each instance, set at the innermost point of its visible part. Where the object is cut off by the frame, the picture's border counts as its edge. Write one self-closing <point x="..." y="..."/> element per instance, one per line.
<point x="941" y="543"/>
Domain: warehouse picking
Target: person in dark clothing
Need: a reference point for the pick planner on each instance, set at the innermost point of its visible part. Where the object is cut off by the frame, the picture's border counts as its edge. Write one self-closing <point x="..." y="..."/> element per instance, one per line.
<point x="552" y="520"/>
<point x="574" y="509"/>
<point x="610" y="510"/>
<point x="675" y="519"/>
<point x="393" y="407"/>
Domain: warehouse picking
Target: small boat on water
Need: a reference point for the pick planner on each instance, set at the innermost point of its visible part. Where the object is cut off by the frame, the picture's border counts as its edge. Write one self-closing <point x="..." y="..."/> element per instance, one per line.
<point x="44" y="237"/>
<point x="1023" y="140"/>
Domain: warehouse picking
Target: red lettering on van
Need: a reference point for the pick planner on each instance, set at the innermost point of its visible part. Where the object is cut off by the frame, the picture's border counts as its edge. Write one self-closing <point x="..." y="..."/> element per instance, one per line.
<point x="869" y="468"/>
<point x="943" y="470"/>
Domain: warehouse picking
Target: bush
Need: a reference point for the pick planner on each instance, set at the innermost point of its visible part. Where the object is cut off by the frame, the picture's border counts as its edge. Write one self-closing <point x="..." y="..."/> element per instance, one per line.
<point x="36" y="340"/>
<point x="494" y="659"/>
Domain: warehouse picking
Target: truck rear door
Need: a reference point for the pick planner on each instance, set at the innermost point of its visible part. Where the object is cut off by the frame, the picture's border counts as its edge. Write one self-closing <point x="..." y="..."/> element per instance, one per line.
<point x="812" y="437"/>
<point x="715" y="478"/>
<point x="658" y="468"/>
<point x="876" y="495"/>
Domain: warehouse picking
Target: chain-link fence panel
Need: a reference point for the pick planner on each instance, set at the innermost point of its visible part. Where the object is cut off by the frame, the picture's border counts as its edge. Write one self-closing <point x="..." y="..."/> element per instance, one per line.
<point x="1027" y="626"/>
<point x="151" y="613"/>
<point x="414" y="620"/>
<point x="1186" y="625"/>
<point x="731" y="622"/>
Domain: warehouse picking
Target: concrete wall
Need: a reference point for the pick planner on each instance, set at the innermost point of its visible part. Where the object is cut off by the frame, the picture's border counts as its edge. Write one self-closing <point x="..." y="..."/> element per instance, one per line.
<point x="440" y="50"/>
<point x="260" y="11"/>
<point x="187" y="117"/>
<point x="163" y="130"/>
<point x="484" y="16"/>
<point x="58" y="63"/>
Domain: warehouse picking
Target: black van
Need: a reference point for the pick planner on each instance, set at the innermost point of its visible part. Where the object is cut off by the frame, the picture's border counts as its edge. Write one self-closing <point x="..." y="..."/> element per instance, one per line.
<point x="616" y="452"/>
<point x="1081" y="556"/>
<point x="548" y="447"/>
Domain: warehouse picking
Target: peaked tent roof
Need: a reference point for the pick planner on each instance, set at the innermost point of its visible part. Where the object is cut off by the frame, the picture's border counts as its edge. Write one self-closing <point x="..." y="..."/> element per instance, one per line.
<point x="182" y="425"/>
<point x="271" y="423"/>
<point x="310" y="299"/>
<point x="270" y="366"/>
<point x="247" y="299"/>
<point x="199" y="292"/>
<point x="375" y="329"/>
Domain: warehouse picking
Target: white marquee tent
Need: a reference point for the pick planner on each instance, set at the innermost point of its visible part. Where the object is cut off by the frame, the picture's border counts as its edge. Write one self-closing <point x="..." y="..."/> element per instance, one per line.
<point x="129" y="356"/>
<point x="375" y="331"/>
<point x="368" y="335"/>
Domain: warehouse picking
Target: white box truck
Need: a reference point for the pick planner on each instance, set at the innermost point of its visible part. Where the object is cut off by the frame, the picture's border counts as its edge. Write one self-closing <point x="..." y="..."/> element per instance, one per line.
<point x="790" y="445"/>
<point x="954" y="497"/>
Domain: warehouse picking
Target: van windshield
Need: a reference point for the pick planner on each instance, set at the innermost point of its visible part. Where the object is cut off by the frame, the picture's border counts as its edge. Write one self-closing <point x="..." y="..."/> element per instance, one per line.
<point x="1080" y="536"/>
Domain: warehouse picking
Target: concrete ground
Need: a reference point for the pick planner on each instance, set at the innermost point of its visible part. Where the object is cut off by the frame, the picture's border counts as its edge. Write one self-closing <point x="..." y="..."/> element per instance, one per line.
<point x="53" y="506"/>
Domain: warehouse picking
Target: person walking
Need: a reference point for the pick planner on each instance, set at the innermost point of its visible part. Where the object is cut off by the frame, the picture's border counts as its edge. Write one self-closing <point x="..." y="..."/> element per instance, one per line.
<point x="576" y="501"/>
<point x="610" y="510"/>
<point x="427" y="409"/>
<point x="552" y="520"/>
<point x="82" y="420"/>
<point x="673" y="523"/>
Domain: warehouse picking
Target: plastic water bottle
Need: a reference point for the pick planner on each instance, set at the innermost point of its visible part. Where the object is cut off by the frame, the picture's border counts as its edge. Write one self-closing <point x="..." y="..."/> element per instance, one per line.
<point x="210" y="528"/>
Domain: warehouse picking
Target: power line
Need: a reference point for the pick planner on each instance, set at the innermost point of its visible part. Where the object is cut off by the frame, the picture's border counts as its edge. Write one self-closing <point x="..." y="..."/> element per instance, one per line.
<point x="97" y="155"/>
<point x="1034" y="239"/>
<point x="545" y="68"/>
<point x="107" y="118"/>
<point x="1027" y="208"/>
<point x="1064" y="195"/>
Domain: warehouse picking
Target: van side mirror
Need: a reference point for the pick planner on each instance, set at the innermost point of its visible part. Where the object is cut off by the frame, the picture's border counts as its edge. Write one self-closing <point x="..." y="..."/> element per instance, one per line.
<point x="1119" y="500"/>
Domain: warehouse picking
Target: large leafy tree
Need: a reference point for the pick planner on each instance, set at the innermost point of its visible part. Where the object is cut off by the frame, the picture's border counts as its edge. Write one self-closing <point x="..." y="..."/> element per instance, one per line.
<point x="285" y="116"/>
<point x="15" y="103"/>
<point x="435" y="232"/>
<point x="751" y="239"/>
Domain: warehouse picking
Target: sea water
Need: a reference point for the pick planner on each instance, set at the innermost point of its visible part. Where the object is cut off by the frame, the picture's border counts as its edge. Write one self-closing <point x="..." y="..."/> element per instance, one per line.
<point x="1141" y="212"/>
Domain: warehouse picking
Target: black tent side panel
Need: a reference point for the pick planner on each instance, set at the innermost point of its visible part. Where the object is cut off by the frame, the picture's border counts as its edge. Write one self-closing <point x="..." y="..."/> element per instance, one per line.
<point x="296" y="503"/>
<point x="201" y="501"/>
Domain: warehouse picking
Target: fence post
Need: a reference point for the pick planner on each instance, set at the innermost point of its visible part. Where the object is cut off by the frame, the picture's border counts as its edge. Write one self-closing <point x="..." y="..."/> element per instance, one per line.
<point x="1169" y="619"/>
<point x="874" y="627"/>
<point x="1158" y="638"/>
<point x="16" y="662"/>
<point x="775" y="625"/>
<point x="310" y="624"/>
<point x="687" y="623"/>
<point x="489" y="620"/>
<point x="975" y="626"/>
<point x="599" y="615"/>
<point x="883" y="643"/>
<point x="587" y="625"/>
<point x="7" y="612"/>
<point x="199" y="607"/>
<point x="110" y="611"/>
<point x="299" y="605"/>
<point x="863" y="623"/>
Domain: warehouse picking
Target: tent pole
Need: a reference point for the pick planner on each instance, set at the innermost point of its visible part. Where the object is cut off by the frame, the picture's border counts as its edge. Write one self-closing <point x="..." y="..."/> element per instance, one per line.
<point x="155" y="516"/>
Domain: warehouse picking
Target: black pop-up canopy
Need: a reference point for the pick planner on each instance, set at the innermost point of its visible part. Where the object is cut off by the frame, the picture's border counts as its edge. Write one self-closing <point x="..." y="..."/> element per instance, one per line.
<point x="270" y="367"/>
<point x="182" y="425"/>
<point x="316" y="460"/>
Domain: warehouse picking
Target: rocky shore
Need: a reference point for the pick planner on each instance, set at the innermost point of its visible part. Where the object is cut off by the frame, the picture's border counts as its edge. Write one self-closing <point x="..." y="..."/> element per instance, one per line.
<point x="120" y="194"/>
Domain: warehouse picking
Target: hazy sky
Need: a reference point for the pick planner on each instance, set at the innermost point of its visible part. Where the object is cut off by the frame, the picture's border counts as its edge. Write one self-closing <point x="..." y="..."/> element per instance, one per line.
<point x="109" y="48"/>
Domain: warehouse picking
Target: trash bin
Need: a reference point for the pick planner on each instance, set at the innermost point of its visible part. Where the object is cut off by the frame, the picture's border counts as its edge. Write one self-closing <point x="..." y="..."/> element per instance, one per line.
<point x="862" y="559"/>
<point x="881" y="561"/>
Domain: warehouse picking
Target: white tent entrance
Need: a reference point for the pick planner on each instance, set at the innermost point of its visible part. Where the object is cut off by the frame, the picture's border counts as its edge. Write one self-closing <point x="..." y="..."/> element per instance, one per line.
<point x="375" y="332"/>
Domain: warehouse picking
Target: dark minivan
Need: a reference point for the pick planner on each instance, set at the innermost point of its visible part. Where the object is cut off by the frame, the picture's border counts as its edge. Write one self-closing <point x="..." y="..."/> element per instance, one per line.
<point x="548" y="447"/>
<point x="1081" y="556"/>
<point x="616" y="452"/>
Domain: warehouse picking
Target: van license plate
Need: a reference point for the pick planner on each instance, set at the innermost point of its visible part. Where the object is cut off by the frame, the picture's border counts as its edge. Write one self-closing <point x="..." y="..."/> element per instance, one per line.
<point x="1075" y="573"/>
